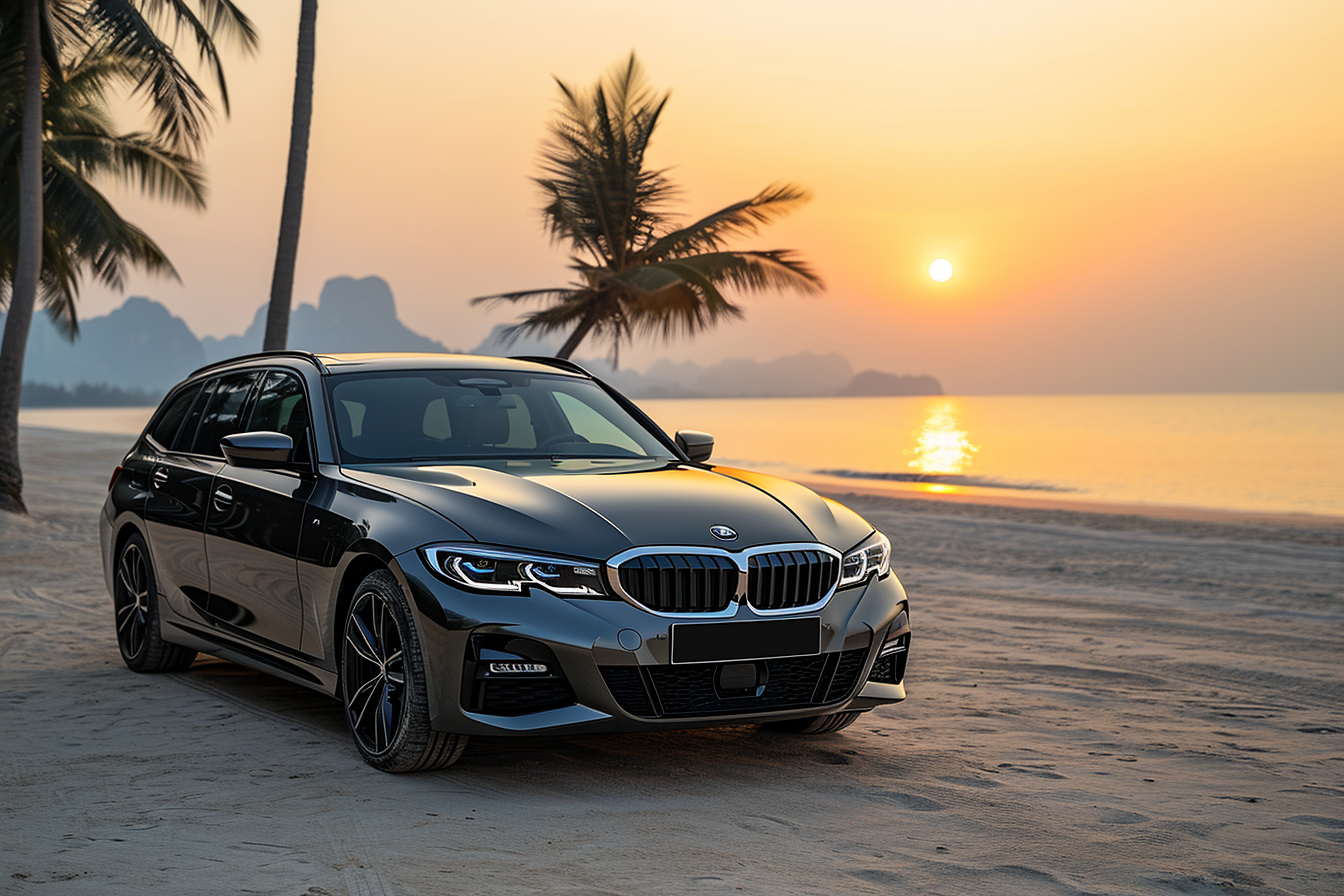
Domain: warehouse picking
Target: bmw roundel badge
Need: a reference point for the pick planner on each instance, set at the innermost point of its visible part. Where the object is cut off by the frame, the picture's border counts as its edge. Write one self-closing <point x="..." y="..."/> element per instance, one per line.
<point x="725" y="532"/>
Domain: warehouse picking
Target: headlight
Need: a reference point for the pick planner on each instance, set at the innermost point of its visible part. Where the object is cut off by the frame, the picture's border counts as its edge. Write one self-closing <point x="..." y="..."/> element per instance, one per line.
<point x="488" y="569"/>
<point x="873" y="556"/>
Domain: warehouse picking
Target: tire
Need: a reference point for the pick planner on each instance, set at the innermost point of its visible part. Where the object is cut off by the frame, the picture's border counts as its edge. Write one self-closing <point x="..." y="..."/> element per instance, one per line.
<point x="383" y="683"/>
<point x="815" y="724"/>
<point x="135" y="602"/>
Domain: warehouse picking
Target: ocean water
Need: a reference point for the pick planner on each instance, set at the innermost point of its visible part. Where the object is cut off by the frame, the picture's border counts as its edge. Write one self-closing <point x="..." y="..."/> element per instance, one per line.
<point x="1262" y="452"/>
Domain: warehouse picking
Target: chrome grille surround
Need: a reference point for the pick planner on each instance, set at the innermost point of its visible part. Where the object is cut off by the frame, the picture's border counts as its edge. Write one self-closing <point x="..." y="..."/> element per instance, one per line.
<point x="708" y="587"/>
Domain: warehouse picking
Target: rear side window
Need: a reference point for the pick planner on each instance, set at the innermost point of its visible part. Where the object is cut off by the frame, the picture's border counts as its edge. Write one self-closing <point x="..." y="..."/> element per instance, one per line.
<point x="224" y="413"/>
<point x="187" y="433"/>
<point x="169" y="419"/>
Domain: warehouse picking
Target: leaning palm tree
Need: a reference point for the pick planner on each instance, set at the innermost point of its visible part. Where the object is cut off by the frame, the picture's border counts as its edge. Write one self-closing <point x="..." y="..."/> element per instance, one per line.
<point x="637" y="274"/>
<point x="291" y="211"/>
<point x="37" y="39"/>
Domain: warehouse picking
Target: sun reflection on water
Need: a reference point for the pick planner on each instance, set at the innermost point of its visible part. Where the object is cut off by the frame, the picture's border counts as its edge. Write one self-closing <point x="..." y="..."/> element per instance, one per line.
<point x="942" y="446"/>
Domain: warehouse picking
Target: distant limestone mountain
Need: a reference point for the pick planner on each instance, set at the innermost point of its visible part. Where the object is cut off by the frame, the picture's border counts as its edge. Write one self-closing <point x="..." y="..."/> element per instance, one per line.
<point x="350" y="316"/>
<point x="798" y="375"/>
<point x="141" y="348"/>
<point x="875" y="382"/>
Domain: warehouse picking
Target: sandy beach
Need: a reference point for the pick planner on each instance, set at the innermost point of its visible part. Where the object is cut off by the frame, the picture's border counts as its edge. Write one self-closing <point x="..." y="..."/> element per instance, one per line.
<point x="1101" y="703"/>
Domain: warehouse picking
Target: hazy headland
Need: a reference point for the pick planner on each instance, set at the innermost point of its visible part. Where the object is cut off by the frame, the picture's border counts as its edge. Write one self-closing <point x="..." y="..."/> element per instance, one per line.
<point x="135" y="353"/>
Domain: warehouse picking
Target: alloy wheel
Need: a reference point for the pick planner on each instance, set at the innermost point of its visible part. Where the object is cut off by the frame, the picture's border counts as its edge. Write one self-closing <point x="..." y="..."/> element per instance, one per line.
<point x="374" y="673"/>
<point x="132" y="603"/>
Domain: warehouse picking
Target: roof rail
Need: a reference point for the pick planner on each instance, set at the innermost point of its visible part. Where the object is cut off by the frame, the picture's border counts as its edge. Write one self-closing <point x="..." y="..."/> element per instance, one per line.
<point x="562" y="363"/>
<point x="282" y="353"/>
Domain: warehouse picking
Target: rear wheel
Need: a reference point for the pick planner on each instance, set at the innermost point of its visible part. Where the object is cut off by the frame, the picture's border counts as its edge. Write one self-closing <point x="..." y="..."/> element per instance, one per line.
<point x="383" y="683"/>
<point x="815" y="724"/>
<point x="135" y="601"/>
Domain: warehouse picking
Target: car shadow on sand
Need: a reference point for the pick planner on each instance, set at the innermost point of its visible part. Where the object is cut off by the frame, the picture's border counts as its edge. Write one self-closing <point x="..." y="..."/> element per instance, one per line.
<point x="679" y="752"/>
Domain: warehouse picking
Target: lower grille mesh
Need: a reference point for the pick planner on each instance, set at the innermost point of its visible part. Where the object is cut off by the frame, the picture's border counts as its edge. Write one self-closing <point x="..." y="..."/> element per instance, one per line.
<point x="518" y="696"/>
<point x="627" y="686"/>
<point x="688" y="690"/>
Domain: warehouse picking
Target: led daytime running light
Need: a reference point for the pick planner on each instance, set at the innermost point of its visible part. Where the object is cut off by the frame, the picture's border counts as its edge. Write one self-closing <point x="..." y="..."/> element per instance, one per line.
<point x="505" y="572"/>
<point x="871" y="557"/>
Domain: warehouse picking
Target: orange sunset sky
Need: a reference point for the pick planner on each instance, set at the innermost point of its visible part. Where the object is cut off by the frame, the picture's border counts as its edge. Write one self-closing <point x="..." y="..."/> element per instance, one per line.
<point x="1135" y="196"/>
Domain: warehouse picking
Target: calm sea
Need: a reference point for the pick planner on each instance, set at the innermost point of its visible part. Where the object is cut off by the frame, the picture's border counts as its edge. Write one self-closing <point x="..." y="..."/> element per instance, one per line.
<point x="1278" y="453"/>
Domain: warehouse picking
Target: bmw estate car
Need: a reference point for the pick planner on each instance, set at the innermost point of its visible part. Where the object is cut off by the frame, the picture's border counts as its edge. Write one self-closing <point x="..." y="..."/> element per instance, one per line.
<point x="455" y="546"/>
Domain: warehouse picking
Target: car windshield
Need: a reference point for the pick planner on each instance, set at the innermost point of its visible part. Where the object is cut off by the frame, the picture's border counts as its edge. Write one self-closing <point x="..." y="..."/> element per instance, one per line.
<point x="452" y="416"/>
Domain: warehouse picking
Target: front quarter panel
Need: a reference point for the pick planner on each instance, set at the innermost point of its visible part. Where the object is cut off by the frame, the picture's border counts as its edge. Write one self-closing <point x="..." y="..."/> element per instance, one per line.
<point x="348" y="522"/>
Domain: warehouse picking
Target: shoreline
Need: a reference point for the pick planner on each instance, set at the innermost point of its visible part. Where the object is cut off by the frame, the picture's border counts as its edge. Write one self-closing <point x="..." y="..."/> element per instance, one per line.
<point x="945" y="494"/>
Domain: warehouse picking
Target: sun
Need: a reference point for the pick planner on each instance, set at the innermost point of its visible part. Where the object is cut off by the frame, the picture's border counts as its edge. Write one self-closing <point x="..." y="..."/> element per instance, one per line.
<point x="941" y="270"/>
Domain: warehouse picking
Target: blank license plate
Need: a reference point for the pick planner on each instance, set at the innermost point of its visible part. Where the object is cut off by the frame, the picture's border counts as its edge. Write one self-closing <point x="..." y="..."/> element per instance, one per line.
<point x="763" y="640"/>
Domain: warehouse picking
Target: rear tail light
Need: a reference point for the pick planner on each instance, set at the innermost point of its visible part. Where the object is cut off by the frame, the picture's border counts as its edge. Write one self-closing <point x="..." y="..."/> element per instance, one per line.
<point x="113" y="481"/>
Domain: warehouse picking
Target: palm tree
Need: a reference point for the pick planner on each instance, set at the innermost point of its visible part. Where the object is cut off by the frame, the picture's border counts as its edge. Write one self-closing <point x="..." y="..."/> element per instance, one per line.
<point x="291" y="212"/>
<point x="83" y="234"/>
<point x="37" y="39"/>
<point x="637" y="275"/>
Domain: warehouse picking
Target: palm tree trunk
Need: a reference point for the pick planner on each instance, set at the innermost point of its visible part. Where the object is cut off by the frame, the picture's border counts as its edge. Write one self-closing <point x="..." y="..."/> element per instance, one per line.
<point x="291" y="213"/>
<point x="28" y="267"/>
<point x="586" y="324"/>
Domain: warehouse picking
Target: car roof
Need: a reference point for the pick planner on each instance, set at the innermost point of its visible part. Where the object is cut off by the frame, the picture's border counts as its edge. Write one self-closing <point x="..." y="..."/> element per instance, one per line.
<point x="350" y="362"/>
<point x="347" y="362"/>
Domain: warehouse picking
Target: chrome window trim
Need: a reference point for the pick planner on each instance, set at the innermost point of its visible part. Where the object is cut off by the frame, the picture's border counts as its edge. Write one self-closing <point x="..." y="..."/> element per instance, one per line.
<point x="741" y="559"/>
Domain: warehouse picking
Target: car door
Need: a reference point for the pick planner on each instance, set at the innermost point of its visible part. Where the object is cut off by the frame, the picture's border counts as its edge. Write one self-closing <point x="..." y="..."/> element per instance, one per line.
<point x="175" y="503"/>
<point x="254" y="520"/>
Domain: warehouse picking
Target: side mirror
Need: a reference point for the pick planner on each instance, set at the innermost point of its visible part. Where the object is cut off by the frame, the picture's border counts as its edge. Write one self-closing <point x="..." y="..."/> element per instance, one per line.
<point x="698" y="446"/>
<point x="257" y="449"/>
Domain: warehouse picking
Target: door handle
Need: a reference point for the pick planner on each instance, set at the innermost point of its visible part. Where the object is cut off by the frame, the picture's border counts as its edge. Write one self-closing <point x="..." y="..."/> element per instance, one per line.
<point x="159" y="478"/>
<point x="223" y="498"/>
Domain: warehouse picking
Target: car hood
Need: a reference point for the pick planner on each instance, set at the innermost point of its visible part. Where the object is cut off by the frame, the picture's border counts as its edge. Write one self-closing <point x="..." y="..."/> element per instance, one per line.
<point x="598" y="508"/>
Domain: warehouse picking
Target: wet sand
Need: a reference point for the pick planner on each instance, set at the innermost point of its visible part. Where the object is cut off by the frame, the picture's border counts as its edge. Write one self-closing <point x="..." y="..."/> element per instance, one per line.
<point x="1100" y="703"/>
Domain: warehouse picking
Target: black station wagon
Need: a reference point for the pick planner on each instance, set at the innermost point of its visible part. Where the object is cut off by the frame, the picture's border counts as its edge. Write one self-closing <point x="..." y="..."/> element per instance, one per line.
<point x="456" y="545"/>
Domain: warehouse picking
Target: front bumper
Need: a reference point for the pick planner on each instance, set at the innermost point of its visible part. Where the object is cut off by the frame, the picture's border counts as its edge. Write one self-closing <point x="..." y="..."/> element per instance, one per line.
<point x="609" y="665"/>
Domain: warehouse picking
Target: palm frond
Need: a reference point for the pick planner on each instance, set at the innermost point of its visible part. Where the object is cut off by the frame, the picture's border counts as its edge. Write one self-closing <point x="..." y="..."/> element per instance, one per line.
<point x="758" y="271"/>
<point x="527" y="295"/>
<point x="741" y="218"/>
<point x="599" y="196"/>
<point x="218" y="18"/>
<point x="140" y="161"/>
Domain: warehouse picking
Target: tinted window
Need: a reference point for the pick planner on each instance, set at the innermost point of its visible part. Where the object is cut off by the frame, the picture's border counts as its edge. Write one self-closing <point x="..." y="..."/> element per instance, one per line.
<point x="224" y="413"/>
<point x="171" y="415"/>
<point x="446" y="415"/>
<point x="282" y="407"/>
<point x="187" y="434"/>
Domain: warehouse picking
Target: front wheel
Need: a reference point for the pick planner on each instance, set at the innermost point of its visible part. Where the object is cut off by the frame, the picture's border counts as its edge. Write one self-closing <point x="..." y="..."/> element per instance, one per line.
<point x="135" y="603"/>
<point x="383" y="683"/>
<point x="815" y="724"/>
